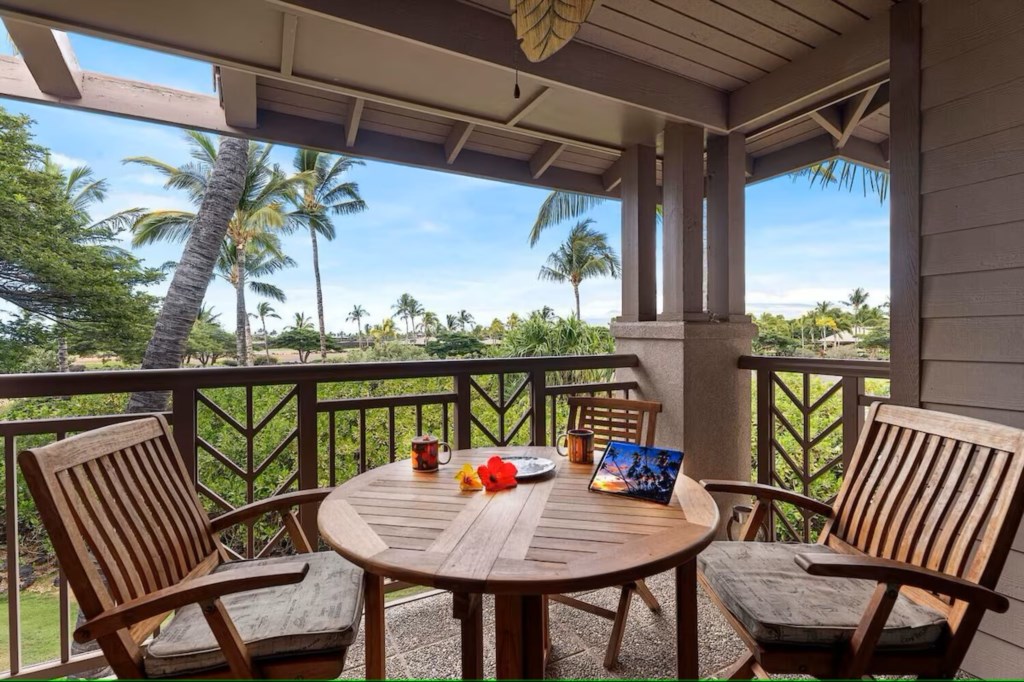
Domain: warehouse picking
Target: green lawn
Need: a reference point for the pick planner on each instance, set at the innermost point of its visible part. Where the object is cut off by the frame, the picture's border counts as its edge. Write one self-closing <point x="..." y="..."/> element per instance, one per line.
<point x="40" y="629"/>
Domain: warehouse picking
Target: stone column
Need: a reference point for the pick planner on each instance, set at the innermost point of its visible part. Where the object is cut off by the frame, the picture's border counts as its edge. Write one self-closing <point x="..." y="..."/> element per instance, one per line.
<point x="691" y="367"/>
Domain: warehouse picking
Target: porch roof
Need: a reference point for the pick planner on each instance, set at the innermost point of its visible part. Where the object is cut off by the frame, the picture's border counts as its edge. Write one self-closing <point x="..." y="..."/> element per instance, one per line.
<point x="430" y="82"/>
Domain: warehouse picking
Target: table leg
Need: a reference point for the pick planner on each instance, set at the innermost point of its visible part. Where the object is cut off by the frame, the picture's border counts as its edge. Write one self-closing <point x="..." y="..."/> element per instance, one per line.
<point x="519" y="636"/>
<point x="373" y="608"/>
<point x="686" y="620"/>
<point x="468" y="608"/>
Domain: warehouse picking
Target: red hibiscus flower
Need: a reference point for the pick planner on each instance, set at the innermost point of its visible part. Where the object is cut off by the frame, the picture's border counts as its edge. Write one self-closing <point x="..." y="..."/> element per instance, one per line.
<point x="497" y="474"/>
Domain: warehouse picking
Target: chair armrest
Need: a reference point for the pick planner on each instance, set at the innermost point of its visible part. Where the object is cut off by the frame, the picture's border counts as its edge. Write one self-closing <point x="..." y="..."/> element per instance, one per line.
<point x="900" y="573"/>
<point x="187" y="592"/>
<point x="768" y="492"/>
<point x="276" y="503"/>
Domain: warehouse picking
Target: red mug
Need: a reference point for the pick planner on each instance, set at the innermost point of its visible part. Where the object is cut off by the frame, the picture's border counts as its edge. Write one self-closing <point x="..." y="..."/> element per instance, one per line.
<point x="426" y="452"/>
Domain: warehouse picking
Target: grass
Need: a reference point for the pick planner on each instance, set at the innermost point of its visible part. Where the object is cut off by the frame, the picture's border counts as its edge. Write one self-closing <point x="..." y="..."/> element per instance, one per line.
<point x="40" y="629"/>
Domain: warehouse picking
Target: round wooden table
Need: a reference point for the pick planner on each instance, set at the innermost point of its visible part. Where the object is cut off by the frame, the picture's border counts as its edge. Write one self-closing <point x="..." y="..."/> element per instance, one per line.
<point x="550" y="536"/>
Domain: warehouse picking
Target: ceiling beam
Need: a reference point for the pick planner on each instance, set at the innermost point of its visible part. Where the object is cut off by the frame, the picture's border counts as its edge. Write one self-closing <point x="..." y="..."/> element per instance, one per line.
<point x="145" y="101"/>
<point x="853" y="113"/>
<point x="853" y="61"/>
<point x="528" y="106"/>
<point x="544" y="157"/>
<point x="829" y="119"/>
<point x="483" y="36"/>
<point x="865" y="153"/>
<point x="612" y="177"/>
<point x="355" y="115"/>
<point x="789" y="159"/>
<point x="49" y="58"/>
<point x="456" y="140"/>
<point x="238" y="97"/>
<point x="289" y="33"/>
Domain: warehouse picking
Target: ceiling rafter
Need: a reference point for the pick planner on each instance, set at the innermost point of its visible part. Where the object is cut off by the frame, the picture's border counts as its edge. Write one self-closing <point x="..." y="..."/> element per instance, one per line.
<point x="289" y="34"/>
<point x="352" y="120"/>
<point x="145" y="101"/>
<point x="845" y="65"/>
<point x="457" y="138"/>
<point x="544" y="157"/>
<point x="238" y="97"/>
<point x="49" y="58"/>
<point x="527" y="107"/>
<point x="853" y="113"/>
<point x="829" y="118"/>
<point x="454" y="27"/>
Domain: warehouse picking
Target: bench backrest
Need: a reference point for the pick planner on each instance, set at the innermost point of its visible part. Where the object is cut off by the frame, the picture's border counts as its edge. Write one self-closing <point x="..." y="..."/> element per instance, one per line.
<point x="124" y="519"/>
<point x="935" y="490"/>
<point x="630" y="421"/>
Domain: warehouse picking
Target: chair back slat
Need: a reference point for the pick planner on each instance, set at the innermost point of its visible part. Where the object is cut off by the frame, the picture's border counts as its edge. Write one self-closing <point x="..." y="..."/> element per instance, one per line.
<point x="630" y="421"/>
<point x="124" y="519"/>
<point x="935" y="490"/>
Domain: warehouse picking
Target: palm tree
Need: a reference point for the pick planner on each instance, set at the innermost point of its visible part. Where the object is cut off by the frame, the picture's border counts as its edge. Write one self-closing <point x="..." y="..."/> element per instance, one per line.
<point x="324" y="195"/>
<point x="584" y="255"/>
<point x="465" y="320"/>
<point x="263" y="311"/>
<point x="356" y="315"/>
<point x="302" y="321"/>
<point x="843" y="175"/>
<point x="206" y="314"/>
<point x="451" y="322"/>
<point x="857" y="301"/>
<point x="261" y="261"/>
<point x="81" y="189"/>
<point x="384" y="331"/>
<point x="258" y="219"/>
<point x="407" y="308"/>
<point x="430" y="323"/>
<point x="223" y="187"/>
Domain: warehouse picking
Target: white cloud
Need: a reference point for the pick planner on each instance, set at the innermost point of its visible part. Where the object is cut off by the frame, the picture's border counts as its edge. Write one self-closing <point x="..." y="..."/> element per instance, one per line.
<point x="67" y="162"/>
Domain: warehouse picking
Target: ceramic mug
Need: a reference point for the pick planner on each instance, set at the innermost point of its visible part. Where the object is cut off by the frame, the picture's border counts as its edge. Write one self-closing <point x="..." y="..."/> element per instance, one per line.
<point x="426" y="452"/>
<point x="579" y="446"/>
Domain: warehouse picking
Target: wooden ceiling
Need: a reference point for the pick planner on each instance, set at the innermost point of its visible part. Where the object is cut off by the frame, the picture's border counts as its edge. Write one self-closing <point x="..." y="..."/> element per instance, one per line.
<point x="429" y="82"/>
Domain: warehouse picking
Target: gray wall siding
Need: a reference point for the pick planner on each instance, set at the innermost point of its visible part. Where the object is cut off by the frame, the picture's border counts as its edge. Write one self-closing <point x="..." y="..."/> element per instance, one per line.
<point x="972" y="247"/>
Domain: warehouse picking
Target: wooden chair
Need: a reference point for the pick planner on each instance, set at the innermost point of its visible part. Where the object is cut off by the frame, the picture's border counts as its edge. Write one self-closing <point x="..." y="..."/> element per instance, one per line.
<point x="905" y="566"/>
<point x="630" y="421"/>
<point x="135" y="543"/>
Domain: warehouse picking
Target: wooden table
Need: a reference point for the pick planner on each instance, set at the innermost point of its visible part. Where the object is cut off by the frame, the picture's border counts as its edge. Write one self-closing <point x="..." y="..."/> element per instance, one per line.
<point x="551" y="536"/>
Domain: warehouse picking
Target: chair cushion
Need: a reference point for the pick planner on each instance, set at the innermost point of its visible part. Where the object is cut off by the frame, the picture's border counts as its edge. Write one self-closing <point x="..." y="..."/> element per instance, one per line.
<point x="318" y="615"/>
<point x="778" y="602"/>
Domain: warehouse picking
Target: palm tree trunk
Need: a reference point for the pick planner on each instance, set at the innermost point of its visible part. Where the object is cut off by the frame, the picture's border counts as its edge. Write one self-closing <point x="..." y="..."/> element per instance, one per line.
<point x="266" y="339"/>
<point x="248" y="341"/>
<point x="62" y="353"/>
<point x="319" y="295"/>
<point x="195" y="269"/>
<point x="576" y="293"/>
<point x="241" y="316"/>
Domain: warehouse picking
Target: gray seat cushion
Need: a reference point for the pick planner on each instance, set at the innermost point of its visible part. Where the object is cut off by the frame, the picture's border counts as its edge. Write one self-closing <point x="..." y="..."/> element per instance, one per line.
<point x="319" y="614"/>
<point x="779" y="602"/>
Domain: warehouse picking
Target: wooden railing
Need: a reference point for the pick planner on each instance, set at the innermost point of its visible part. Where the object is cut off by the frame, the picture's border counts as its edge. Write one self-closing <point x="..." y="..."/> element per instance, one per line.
<point x="247" y="433"/>
<point x="808" y="413"/>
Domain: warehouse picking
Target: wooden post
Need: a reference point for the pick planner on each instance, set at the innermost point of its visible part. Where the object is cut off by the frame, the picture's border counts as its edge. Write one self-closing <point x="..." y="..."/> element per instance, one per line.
<point x="853" y="389"/>
<point x="683" y="221"/>
<point x="183" y="417"/>
<point x="687" y="653"/>
<point x="905" y="201"/>
<point x="468" y="608"/>
<point x="538" y="403"/>
<point x="463" y="410"/>
<point x="726" y="186"/>
<point x="639" y="248"/>
<point x="307" y="454"/>
<point x="373" y="611"/>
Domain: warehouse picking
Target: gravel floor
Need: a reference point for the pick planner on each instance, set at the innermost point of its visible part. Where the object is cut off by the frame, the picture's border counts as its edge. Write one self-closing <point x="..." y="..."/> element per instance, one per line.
<point x="423" y="639"/>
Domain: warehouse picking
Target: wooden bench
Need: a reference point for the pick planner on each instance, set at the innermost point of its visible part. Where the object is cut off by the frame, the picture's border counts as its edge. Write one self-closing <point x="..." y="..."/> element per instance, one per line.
<point x="905" y="566"/>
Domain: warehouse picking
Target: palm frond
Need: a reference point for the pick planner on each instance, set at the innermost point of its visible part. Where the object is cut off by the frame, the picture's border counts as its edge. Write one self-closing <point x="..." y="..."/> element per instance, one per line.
<point x="267" y="290"/>
<point x="559" y="207"/>
<point x="159" y="226"/>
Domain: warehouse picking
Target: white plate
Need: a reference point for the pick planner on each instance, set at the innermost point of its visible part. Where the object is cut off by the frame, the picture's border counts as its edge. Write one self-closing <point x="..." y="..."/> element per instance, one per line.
<point x="530" y="467"/>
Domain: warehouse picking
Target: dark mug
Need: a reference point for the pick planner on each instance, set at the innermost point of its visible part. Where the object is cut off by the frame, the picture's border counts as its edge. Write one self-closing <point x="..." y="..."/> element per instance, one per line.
<point x="579" y="444"/>
<point x="426" y="452"/>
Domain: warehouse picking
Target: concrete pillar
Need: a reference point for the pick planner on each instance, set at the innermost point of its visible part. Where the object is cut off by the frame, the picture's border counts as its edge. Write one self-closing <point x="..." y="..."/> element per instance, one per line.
<point x="691" y="367"/>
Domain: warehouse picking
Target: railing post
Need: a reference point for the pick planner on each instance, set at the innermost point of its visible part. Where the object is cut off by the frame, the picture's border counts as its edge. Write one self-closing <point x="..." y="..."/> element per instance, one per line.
<point x="463" y="410"/>
<point x="853" y="415"/>
<point x="12" y="558"/>
<point x="307" y="452"/>
<point x="764" y="426"/>
<point x="183" y="414"/>
<point x="538" y="401"/>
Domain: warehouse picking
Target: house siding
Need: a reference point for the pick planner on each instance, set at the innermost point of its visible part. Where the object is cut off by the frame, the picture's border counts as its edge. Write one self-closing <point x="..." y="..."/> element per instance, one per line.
<point x="972" y="247"/>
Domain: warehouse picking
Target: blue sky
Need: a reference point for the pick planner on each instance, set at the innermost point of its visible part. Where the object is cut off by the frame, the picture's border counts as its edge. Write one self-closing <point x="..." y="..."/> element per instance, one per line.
<point x="456" y="242"/>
